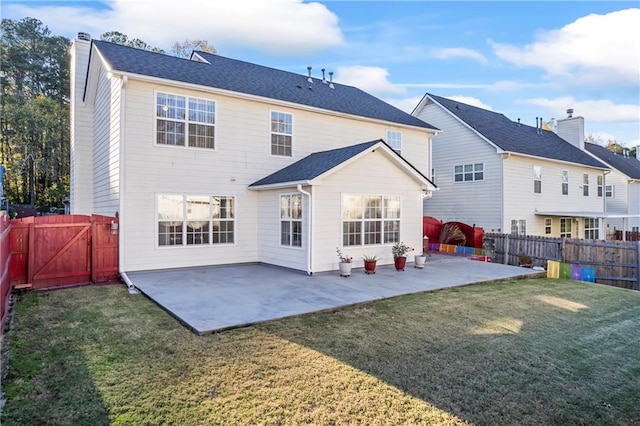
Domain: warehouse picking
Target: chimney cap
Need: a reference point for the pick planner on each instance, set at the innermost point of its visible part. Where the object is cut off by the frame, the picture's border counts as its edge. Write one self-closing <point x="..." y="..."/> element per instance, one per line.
<point x="84" y="36"/>
<point x="570" y="112"/>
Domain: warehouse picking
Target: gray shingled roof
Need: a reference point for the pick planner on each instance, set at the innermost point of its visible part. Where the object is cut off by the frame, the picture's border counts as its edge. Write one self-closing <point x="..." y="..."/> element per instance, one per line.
<point x="517" y="138"/>
<point x="629" y="166"/>
<point x="318" y="163"/>
<point x="244" y="77"/>
<point x="314" y="165"/>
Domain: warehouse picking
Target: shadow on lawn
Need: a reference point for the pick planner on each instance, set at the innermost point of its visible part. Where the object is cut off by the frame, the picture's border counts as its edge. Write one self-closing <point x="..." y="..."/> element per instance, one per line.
<point x="481" y="361"/>
<point x="47" y="380"/>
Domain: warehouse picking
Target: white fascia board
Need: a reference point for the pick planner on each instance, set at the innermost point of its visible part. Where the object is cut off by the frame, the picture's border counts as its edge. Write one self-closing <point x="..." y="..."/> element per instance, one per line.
<point x="553" y="160"/>
<point x="282" y="185"/>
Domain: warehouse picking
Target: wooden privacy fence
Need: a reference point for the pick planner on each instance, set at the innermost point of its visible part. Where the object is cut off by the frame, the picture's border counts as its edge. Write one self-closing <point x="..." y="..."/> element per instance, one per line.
<point x="616" y="263"/>
<point x="5" y="285"/>
<point x="63" y="250"/>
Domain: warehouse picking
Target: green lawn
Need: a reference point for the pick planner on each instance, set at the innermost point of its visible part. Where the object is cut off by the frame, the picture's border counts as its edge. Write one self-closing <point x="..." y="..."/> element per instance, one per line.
<point x="522" y="352"/>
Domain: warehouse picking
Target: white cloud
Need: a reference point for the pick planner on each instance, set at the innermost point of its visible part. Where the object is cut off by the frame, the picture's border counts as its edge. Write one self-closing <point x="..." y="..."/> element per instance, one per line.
<point x="370" y="79"/>
<point x="406" y="104"/>
<point x="275" y="26"/>
<point x="596" y="111"/>
<point x="458" y="52"/>
<point x="595" y="49"/>
<point x="469" y="100"/>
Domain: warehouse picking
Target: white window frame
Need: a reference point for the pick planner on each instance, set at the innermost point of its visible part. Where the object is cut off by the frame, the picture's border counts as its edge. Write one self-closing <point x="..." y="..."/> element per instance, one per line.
<point x="468" y="172"/>
<point x="281" y="130"/>
<point x="183" y="116"/>
<point x="394" y="140"/>
<point x="585" y="184"/>
<point x="537" y="179"/>
<point x="291" y="223"/>
<point x="565" y="182"/>
<point x="609" y="191"/>
<point x="181" y="236"/>
<point x="564" y="232"/>
<point x="591" y="228"/>
<point x="548" y="222"/>
<point x="361" y="228"/>
<point x="600" y="180"/>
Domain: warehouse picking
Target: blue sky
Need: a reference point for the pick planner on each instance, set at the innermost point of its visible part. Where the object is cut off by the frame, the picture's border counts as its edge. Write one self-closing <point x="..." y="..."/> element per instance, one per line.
<point x="523" y="59"/>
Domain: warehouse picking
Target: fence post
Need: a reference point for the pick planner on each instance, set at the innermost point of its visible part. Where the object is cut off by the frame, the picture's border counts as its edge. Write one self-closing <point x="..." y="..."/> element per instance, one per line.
<point x="506" y="249"/>
<point x="638" y="265"/>
<point x="562" y="250"/>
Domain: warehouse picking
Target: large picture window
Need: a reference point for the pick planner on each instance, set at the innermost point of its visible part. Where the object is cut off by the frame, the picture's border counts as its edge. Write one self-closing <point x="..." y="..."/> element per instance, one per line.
<point x="281" y="133"/>
<point x="370" y="220"/>
<point x="183" y="120"/>
<point x="186" y="220"/>
<point x="468" y="172"/>
<point x="291" y="220"/>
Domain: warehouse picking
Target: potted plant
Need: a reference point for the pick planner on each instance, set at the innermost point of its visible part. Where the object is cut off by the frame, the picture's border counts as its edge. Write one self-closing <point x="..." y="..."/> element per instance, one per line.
<point x="400" y="251"/>
<point x="419" y="260"/>
<point x="370" y="264"/>
<point x="346" y="262"/>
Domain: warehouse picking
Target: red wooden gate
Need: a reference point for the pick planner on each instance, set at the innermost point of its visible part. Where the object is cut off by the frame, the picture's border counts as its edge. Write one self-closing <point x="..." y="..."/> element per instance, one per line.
<point x="62" y="250"/>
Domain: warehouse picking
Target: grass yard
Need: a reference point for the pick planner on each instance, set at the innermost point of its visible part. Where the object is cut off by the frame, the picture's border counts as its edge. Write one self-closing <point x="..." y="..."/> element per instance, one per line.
<point x="523" y="352"/>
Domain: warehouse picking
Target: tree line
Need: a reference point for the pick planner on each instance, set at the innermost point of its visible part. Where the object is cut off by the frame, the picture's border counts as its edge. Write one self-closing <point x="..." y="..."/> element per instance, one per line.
<point x="34" y="108"/>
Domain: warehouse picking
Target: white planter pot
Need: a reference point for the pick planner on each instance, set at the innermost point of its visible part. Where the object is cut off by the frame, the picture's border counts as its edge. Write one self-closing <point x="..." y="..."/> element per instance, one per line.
<point x="419" y="260"/>
<point x="345" y="268"/>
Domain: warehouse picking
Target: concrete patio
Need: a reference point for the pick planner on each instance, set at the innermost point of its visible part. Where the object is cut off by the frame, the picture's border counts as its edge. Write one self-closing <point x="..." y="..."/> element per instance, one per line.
<point x="216" y="298"/>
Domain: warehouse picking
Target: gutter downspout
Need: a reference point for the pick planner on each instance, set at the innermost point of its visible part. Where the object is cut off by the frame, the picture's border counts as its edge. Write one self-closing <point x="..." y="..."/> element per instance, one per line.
<point x="604" y="202"/>
<point x="310" y="226"/>
<point x="122" y="273"/>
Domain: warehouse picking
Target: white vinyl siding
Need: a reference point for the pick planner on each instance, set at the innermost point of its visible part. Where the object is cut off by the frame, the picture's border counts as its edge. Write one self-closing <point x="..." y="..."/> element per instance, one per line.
<point x="106" y="145"/>
<point x="238" y="161"/>
<point x="479" y="202"/>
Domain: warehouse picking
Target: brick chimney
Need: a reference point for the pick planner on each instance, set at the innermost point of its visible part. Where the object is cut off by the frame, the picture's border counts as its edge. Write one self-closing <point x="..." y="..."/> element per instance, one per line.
<point x="571" y="129"/>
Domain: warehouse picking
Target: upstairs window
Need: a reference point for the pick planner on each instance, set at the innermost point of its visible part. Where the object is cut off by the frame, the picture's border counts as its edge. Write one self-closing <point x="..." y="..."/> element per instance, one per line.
<point x="585" y="185"/>
<point x="468" y="172"/>
<point x="537" y="179"/>
<point x="565" y="182"/>
<point x="281" y="133"/>
<point x="600" y="181"/>
<point x="394" y="140"/>
<point x="185" y="121"/>
<point x="608" y="191"/>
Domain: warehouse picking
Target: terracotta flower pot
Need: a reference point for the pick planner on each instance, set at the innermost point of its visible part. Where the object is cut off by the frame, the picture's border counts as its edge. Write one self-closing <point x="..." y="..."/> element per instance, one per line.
<point x="370" y="266"/>
<point x="400" y="263"/>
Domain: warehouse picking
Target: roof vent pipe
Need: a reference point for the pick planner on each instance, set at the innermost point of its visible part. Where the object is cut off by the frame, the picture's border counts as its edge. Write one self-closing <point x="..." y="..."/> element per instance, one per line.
<point x="331" y="79"/>
<point x="324" y="80"/>
<point x="309" y="79"/>
<point x="518" y="122"/>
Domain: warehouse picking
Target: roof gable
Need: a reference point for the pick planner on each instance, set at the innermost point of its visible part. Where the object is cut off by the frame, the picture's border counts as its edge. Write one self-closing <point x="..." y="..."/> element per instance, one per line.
<point x="515" y="137"/>
<point x="320" y="164"/>
<point x="629" y="166"/>
<point x="218" y="72"/>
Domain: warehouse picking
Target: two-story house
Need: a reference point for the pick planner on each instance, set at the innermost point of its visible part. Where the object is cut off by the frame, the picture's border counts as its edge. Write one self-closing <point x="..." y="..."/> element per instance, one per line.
<point x="212" y="161"/>
<point x="621" y="187"/>
<point x="509" y="177"/>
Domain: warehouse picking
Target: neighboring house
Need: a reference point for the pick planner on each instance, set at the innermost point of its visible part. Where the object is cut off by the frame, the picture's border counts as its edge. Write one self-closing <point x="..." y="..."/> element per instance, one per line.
<point x="509" y="177"/>
<point x="213" y="161"/>
<point x="621" y="187"/>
